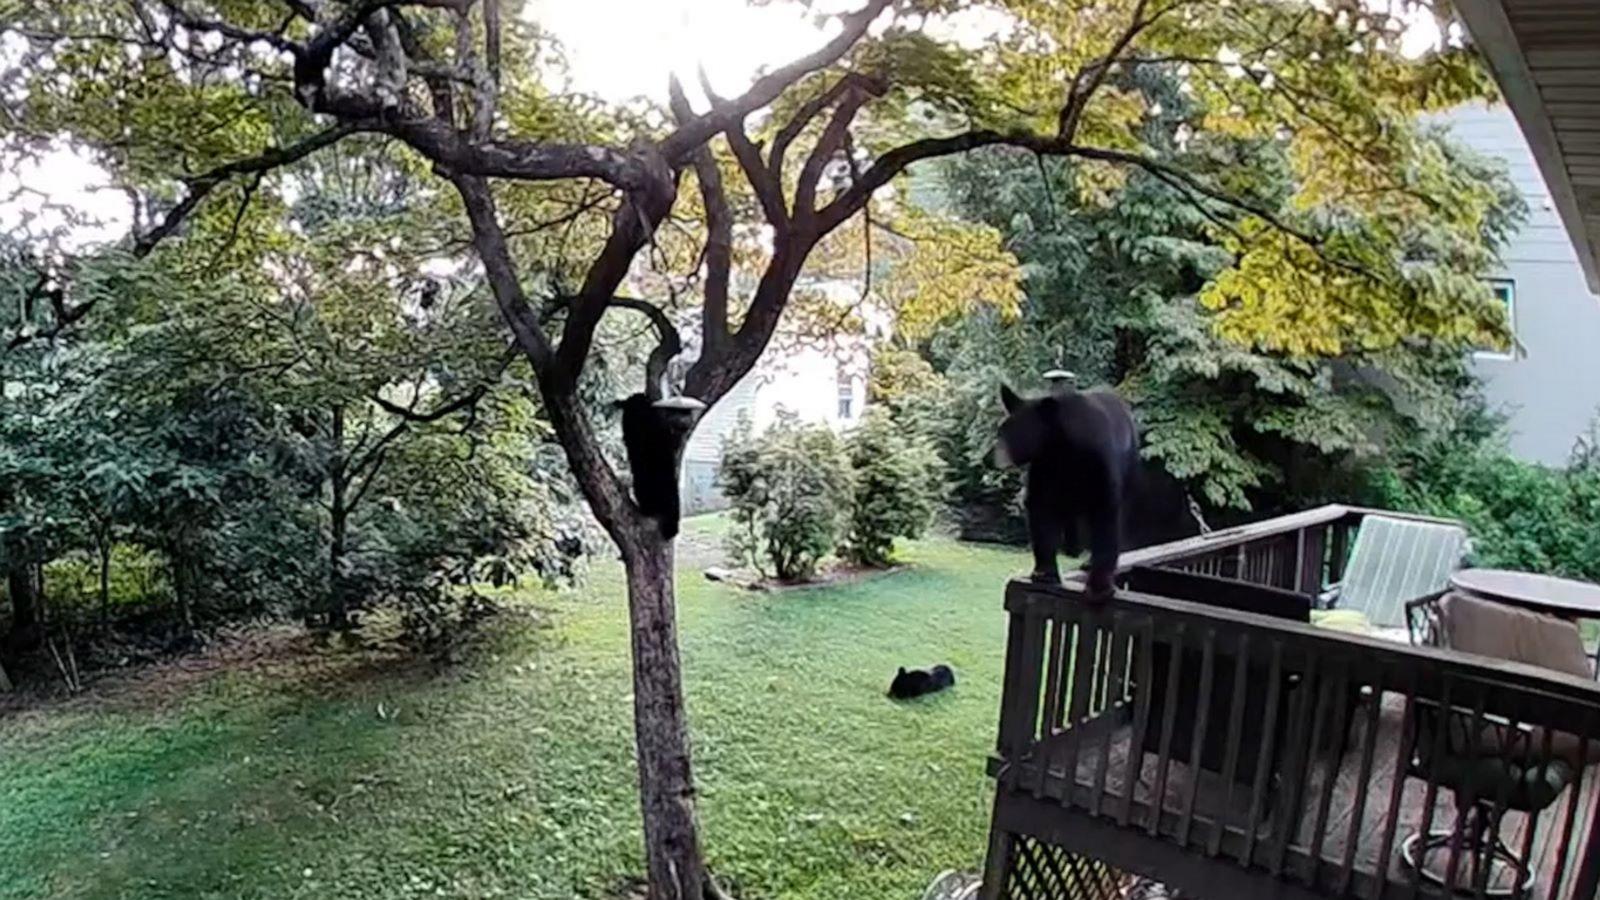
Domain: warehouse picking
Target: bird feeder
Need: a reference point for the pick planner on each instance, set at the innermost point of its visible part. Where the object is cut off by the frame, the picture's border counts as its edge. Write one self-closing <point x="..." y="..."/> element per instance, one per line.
<point x="679" y="409"/>
<point x="1060" y="380"/>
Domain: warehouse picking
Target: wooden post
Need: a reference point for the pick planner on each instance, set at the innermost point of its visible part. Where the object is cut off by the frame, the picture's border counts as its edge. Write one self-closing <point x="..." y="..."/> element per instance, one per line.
<point x="997" y="865"/>
<point x="1308" y="562"/>
<point x="1019" y="701"/>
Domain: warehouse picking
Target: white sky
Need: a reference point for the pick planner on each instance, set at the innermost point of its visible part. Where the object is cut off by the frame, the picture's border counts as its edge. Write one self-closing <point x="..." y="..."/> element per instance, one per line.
<point x="618" y="49"/>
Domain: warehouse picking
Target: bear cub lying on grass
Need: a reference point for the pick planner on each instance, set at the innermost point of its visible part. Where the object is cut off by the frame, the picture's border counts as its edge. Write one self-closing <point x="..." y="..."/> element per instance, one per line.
<point x="916" y="682"/>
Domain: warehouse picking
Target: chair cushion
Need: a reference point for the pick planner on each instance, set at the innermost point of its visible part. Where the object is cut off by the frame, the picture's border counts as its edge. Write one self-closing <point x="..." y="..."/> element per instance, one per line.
<point x="1507" y="632"/>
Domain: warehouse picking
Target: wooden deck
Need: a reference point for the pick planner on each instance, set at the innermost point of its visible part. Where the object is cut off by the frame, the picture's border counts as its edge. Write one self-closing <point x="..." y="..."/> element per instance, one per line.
<point x="1305" y="742"/>
<point x="1341" y="818"/>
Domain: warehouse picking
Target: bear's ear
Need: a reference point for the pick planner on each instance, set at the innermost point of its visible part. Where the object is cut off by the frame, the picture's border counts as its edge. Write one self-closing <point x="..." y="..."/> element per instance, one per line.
<point x="1009" y="398"/>
<point x="902" y="671"/>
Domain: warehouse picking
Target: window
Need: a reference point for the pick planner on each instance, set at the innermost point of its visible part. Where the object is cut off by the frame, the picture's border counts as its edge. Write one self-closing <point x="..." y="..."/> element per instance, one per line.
<point x="847" y="396"/>
<point x="1505" y="290"/>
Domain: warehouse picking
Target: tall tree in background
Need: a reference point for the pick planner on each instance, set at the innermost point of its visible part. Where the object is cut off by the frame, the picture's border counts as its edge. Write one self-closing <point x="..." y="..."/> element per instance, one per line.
<point x="1130" y="286"/>
<point x="189" y="100"/>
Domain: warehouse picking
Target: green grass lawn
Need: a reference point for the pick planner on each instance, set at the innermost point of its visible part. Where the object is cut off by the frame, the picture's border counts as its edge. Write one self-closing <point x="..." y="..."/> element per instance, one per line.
<point x="512" y="775"/>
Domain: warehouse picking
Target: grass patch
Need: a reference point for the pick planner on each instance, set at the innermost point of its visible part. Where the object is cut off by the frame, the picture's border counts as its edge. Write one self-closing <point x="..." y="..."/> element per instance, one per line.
<point x="513" y="776"/>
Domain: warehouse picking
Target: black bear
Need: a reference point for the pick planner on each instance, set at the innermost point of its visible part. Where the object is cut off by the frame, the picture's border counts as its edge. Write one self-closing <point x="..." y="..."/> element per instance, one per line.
<point x="653" y="435"/>
<point x="916" y="682"/>
<point x="1081" y="450"/>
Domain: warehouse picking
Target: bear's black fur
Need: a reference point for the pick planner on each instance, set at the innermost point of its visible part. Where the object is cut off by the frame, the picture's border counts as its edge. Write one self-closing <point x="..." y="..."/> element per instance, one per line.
<point x="916" y="682"/>
<point x="654" y="439"/>
<point x="1081" y="449"/>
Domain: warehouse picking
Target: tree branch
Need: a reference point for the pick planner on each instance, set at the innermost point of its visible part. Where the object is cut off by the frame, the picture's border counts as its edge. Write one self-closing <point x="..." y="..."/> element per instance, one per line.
<point x="833" y="139"/>
<point x="802" y="117"/>
<point x="452" y="407"/>
<point x="202" y="185"/>
<point x="632" y="226"/>
<point x="890" y="164"/>
<point x="719" y="225"/>
<point x="770" y="86"/>
<point x="1081" y="91"/>
<point x="764" y="181"/>
<point x="668" y="344"/>
<point x="504" y="283"/>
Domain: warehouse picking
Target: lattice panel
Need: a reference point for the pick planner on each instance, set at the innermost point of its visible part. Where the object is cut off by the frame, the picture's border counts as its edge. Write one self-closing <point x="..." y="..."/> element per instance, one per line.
<point x="1043" y="871"/>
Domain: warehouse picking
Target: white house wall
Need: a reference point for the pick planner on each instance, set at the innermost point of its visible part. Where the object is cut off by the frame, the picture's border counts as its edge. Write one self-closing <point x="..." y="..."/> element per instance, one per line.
<point x="1550" y="388"/>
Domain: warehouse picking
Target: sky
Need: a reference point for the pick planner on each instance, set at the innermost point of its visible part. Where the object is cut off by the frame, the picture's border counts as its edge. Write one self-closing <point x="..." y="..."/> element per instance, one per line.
<point x="617" y="49"/>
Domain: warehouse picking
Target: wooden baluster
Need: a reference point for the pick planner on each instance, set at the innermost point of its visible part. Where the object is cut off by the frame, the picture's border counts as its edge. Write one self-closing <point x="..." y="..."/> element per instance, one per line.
<point x="1143" y="693"/>
<point x="1268" y="748"/>
<point x="1532" y="826"/>
<point x="1466" y="800"/>
<point x="1311" y="547"/>
<point x="1230" y="764"/>
<point x="1116" y="698"/>
<point x="1569" y="820"/>
<point x="1397" y="781"/>
<point x="1587" y="883"/>
<point x="1340" y="550"/>
<point x="1020" y="705"/>
<point x="1169" y="707"/>
<point x="1050" y="722"/>
<point x="1330" y="693"/>
<point x="1202" y="708"/>
<point x="1297" y="758"/>
<point x="1509" y="754"/>
<point x="1078" y="709"/>
<point x="1430" y="793"/>
<point x="1369" y="745"/>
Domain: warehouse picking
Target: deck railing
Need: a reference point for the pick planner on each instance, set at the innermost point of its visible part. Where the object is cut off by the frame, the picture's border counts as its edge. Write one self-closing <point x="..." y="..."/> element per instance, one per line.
<point x="1228" y="752"/>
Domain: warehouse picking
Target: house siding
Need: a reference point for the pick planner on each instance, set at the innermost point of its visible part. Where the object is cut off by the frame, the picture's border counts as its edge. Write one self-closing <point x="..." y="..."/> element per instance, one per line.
<point x="798" y="379"/>
<point x="1550" y="388"/>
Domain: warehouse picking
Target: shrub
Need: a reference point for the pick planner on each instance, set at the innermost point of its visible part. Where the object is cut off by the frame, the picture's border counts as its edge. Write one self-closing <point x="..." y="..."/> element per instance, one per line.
<point x="899" y="483"/>
<point x="790" y="492"/>
<point x="1520" y="515"/>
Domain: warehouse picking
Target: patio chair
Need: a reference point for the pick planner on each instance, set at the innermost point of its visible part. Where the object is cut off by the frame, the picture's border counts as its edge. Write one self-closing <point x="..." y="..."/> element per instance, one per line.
<point x="1393" y="562"/>
<point x="1491" y="765"/>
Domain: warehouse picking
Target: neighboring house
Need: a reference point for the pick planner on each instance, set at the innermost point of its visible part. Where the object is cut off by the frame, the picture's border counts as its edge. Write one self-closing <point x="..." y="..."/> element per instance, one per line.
<point x="1549" y="386"/>
<point x="815" y="381"/>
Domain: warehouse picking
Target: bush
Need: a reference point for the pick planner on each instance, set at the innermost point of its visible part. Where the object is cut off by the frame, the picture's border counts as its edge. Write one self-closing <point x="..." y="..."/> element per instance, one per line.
<point x="899" y="484"/>
<point x="1520" y="515"/>
<point x="790" y="491"/>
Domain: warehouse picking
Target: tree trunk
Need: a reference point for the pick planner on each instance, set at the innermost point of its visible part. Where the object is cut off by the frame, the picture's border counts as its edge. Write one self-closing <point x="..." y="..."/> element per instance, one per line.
<point x="105" y="578"/>
<point x="23" y="588"/>
<point x="338" y="528"/>
<point x="183" y="575"/>
<point x="666" y="784"/>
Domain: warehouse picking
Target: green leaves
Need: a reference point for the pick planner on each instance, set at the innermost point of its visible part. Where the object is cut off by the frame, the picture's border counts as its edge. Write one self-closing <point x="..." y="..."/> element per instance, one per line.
<point x="791" y="490"/>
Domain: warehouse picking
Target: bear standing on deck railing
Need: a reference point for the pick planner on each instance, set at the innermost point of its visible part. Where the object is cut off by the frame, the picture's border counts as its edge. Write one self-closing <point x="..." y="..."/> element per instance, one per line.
<point x="1081" y="450"/>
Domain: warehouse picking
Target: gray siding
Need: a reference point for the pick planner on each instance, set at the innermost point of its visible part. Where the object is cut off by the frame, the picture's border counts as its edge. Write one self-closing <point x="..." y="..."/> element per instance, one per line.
<point x="1551" y="387"/>
<point x="702" y="456"/>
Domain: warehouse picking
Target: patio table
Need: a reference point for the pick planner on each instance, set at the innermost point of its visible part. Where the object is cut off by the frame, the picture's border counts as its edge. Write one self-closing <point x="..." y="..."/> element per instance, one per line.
<point x="1562" y="597"/>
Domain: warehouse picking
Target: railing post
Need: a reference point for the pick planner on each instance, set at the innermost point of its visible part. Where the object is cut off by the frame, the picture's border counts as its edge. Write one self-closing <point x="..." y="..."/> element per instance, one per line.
<point x="1341" y="545"/>
<point x="1019" y="699"/>
<point x="1308" y="561"/>
<point x="1588" y="881"/>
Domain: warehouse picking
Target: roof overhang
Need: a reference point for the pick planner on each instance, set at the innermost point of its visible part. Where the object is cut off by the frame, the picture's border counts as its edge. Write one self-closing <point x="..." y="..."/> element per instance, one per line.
<point x="1546" y="56"/>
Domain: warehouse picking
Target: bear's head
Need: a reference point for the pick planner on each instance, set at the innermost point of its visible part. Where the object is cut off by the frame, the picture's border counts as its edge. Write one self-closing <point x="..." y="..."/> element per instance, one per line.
<point x="1022" y="434"/>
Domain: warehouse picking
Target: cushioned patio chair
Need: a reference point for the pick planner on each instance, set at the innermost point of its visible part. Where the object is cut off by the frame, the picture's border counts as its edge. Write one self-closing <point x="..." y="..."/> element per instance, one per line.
<point x="1393" y="562"/>
<point x="1491" y="765"/>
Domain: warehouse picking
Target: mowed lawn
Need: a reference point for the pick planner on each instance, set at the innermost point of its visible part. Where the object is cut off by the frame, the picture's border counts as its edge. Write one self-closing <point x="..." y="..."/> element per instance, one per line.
<point x="511" y="775"/>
